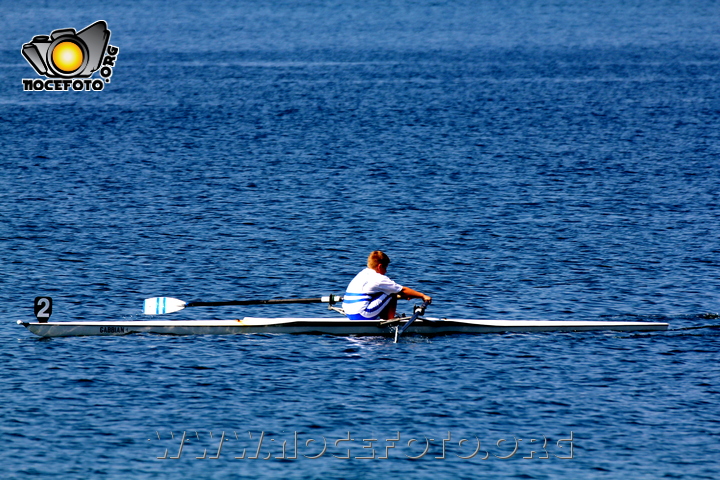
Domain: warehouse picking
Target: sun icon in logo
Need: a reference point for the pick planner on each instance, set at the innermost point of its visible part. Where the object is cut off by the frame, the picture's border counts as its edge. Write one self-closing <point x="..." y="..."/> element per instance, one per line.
<point x="67" y="56"/>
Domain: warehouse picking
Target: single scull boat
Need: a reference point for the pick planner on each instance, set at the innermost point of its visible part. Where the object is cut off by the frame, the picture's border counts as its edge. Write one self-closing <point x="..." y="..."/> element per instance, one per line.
<point x="419" y="325"/>
<point x="328" y="326"/>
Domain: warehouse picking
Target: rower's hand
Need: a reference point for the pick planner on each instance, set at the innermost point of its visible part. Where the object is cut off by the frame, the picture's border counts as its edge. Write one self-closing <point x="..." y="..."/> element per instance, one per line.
<point x="427" y="298"/>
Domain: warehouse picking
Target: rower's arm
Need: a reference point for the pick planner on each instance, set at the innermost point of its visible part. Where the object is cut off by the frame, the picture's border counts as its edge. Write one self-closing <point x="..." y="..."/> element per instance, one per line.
<point x="408" y="293"/>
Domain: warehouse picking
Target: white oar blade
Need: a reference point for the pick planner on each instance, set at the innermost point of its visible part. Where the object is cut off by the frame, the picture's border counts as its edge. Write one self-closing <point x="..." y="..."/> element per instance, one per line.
<point x="162" y="305"/>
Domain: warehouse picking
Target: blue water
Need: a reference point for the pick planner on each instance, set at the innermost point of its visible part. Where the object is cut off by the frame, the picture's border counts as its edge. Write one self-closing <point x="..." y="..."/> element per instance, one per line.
<point x="516" y="160"/>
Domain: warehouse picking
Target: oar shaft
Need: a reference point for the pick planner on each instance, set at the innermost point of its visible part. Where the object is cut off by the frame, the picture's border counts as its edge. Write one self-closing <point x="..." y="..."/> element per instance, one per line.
<point x="418" y="311"/>
<point x="330" y="299"/>
<point x="252" y="302"/>
<point x="163" y="305"/>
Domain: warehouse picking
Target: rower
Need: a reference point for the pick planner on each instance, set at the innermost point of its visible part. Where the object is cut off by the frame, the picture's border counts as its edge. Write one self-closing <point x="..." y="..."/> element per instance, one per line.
<point x="371" y="295"/>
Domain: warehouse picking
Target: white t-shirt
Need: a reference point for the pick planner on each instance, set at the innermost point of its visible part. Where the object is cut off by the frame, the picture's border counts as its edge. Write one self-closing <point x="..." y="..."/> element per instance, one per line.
<point x="368" y="293"/>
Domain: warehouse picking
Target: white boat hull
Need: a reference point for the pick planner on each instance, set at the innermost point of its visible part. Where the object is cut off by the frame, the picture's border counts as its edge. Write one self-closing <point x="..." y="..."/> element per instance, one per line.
<point x="327" y="326"/>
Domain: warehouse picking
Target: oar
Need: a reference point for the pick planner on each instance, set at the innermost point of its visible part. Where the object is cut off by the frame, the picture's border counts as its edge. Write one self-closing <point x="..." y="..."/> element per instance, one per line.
<point x="419" y="310"/>
<point x="163" y="305"/>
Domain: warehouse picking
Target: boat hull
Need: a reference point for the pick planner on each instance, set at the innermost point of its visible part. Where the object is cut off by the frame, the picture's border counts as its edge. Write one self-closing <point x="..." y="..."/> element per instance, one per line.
<point x="327" y="326"/>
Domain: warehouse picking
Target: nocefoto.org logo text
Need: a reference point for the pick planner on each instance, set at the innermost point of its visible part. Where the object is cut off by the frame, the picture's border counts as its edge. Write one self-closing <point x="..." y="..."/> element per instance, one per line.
<point x="68" y="59"/>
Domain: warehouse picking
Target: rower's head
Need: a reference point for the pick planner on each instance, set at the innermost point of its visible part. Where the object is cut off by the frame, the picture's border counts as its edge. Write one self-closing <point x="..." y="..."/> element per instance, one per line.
<point x="378" y="261"/>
